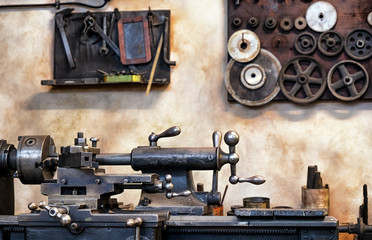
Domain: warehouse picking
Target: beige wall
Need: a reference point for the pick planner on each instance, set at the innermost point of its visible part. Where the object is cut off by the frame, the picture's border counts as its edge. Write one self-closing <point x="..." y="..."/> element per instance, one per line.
<point x="278" y="140"/>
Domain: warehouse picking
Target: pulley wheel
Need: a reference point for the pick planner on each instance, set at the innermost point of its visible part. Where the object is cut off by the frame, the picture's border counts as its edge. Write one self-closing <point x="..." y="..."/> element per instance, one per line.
<point x="252" y="22"/>
<point x="270" y="23"/>
<point x="305" y="43"/>
<point x="255" y="83"/>
<point x="300" y="23"/>
<point x="348" y="80"/>
<point x="286" y="24"/>
<point x="358" y="44"/>
<point x="302" y="80"/>
<point x="330" y="43"/>
<point x="244" y="45"/>
<point x="321" y="16"/>
<point x="369" y="19"/>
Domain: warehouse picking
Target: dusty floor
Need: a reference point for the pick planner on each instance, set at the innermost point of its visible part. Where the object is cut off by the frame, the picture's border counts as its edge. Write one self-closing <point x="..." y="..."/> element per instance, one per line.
<point x="277" y="141"/>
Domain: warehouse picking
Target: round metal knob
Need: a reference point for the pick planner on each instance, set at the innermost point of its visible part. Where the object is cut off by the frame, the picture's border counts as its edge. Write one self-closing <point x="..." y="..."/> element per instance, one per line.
<point x="231" y="138"/>
<point x="32" y="206"/>
<point x="65" y="219"/>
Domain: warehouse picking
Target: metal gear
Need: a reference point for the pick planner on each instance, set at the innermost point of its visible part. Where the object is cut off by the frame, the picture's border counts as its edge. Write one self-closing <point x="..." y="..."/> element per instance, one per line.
<point x="321" y="16"/>
<point x="286" y="24"/>
<point x="348" y="80"/>
<point x="358" y="44"/>
<point x="300" y="23"/>
<point x="330" y="43"/>
<point x="256" y="83"/>
<point x="302" y="80"/>
<point x="244" y="45"/>
<point x="305" y="43"/>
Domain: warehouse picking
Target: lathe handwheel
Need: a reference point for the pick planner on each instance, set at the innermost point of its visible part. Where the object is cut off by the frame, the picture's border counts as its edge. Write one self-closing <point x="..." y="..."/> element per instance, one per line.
<point x="302" y="80"/>
<point x="348" y="80"/>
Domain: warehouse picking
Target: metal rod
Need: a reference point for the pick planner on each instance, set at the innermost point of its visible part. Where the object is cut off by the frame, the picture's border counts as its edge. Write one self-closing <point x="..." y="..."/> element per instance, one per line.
<point x="57" y="5"/>
<point x="114" y="159"/>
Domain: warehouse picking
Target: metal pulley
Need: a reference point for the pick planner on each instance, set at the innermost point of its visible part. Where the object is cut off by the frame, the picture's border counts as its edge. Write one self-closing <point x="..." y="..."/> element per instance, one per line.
<point x="256" y="83"/>
<point x="321" y="16"/>
<point x="330" y="43"/>
<point x="302" y="80"/>
<point x="358" y="44"/>
<point x="244" y="45"/>
<point x="305" y="43"/>
<point x="300" y="23"/>
<point x="286" y="24"/>
<point x="348" y="80"/>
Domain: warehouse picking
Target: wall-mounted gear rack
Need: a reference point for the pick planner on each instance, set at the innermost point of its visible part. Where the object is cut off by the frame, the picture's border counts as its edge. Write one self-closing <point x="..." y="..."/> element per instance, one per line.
<point x="103" y="48"/>
<point x="288" y="29"/>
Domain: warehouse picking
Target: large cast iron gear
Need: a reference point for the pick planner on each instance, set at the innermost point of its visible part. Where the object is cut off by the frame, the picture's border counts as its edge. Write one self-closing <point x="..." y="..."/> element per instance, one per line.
<point x="321" y="16"/>
<point x="358" y="44"/>
<point x="330" y="43"/>
<point x="348" y="80"/>
<point x="302" y="80"/>
<point x="244" y="45"/>
<point x="255" y="83"/>
<point x="305" y="43"/>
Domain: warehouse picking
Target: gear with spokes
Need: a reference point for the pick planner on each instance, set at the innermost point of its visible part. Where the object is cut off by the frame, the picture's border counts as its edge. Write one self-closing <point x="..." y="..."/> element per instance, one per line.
<point x="348" y="80"/>
<point x="302" y="80"/>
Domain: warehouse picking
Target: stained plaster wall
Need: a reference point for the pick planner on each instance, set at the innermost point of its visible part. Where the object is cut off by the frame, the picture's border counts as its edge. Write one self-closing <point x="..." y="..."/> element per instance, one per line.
<point x="277" y="141"/>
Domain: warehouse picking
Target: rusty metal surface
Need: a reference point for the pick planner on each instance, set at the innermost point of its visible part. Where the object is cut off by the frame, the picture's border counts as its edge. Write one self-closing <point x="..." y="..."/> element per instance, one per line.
<point x="351" y="15"/>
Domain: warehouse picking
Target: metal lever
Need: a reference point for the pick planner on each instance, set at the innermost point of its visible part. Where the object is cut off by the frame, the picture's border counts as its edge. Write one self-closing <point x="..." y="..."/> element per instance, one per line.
<point x="170" y="132"/>
<point x="135" y="223"/>
<point x="60" y="213"/>
<point x="217" y="138"/>
<point x="60" y="21"/>
<point x="257" y="179"/>
<point x="169" y="188"/>
<point x="231" y="139"/>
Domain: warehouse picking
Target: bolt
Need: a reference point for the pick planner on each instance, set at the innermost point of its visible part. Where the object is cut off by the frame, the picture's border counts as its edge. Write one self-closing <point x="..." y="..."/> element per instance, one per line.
<point x="97" y="181"/>
<point x="94" y="141"/>
<point x="64" y="181"/>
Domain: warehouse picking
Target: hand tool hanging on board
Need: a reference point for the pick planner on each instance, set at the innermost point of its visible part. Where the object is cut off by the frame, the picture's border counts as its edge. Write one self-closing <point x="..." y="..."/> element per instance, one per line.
<point x="60" y="21"/>
<point x="92" y="25"/>
<point x="57" y="5"/>
<point x="112" y="22"/>
<point x="150" y="19"/>
<point x="166" y="44"/>
<point x="104" y="50"/>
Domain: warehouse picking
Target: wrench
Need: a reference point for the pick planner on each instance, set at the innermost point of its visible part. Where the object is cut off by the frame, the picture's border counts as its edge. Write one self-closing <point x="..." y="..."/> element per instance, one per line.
<point x="89" y="21"/>
<point x="104" y="50"/>
<point x="92" y="25"/>
<point x="61" y="27"/>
